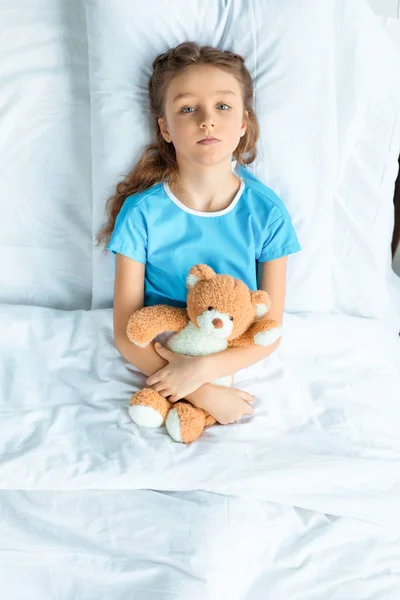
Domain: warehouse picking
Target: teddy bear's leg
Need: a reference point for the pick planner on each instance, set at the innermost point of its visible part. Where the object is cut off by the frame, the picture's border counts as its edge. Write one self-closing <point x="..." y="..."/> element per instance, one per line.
<point x="148" y="409"/>
<point x="185" y="423"/>
<point x="209" y="420"/>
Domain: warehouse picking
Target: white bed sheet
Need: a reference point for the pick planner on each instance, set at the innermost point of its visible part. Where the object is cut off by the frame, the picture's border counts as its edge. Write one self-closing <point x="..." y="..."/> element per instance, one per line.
<point x="146" y="545"/>
<point x="326" y="435"/>
<point x="300" y="501"/>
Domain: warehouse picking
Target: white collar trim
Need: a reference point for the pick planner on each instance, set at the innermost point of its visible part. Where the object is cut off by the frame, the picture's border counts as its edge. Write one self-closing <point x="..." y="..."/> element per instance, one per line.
<point x="200" y="213"/>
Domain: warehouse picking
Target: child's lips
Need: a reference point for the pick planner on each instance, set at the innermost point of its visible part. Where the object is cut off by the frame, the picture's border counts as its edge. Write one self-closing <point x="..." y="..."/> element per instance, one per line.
<point x="207" y="141"/>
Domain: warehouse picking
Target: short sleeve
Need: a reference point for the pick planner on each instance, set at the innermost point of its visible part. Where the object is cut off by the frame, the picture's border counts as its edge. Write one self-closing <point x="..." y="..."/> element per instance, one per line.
<point x="280" y="237"/>
<point x="130" y="235"/>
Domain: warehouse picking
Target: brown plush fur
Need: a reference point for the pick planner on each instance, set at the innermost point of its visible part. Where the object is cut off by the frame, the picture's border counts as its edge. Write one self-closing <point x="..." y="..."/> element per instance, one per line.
<point x="247" y="338"/>
<point x="227" y="295"/>
<point x="194" y="420"/>
<point x="148" y="397"/>
<point x="222" y="292"/>
<point x="206" y="289"/>
<point x="146" y="323"/>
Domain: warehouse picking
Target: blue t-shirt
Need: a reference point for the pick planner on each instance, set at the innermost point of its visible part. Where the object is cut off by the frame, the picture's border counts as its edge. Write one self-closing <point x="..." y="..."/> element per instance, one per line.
<point x="155" y="228"/>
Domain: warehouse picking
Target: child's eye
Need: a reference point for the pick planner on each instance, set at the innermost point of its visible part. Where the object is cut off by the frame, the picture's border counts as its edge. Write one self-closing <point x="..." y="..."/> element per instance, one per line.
<point x="190" y="109"/>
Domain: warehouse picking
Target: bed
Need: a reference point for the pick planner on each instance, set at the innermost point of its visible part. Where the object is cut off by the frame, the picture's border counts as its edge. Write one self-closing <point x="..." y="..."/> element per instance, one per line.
<point x="299" y="501"/>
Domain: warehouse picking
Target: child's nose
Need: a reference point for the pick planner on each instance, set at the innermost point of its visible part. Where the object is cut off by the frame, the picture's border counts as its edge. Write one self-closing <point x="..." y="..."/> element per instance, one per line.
<point x="206" y="120"/>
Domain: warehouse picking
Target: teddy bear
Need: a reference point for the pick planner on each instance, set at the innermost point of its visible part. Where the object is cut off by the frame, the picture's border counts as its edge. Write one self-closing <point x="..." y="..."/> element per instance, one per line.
<point x="221" y="313"/>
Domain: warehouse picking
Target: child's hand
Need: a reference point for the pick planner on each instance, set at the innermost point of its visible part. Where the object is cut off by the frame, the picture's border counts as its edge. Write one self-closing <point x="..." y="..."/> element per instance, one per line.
<point x="182" y="376"/>
<point x="225" y="404"/>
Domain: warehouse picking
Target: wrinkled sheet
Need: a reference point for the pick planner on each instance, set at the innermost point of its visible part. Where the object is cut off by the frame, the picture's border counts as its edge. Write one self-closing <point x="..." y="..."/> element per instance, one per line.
<point x="325" y="435"/>
<point x="147" y="545"/>
<point x="299" y="501"/>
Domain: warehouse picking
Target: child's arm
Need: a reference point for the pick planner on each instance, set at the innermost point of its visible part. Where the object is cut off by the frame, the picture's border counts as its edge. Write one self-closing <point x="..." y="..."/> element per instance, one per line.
<point x="128" y="297"/>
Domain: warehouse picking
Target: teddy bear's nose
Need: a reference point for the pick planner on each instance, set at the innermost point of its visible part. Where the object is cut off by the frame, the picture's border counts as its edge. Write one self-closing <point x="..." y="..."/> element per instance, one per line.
<point x="217" y="323"/>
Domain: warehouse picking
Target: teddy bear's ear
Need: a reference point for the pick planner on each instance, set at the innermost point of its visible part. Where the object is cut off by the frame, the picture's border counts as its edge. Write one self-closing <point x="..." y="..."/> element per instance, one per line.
<point x="261" y="301"/>
<point x="199" y="273"/>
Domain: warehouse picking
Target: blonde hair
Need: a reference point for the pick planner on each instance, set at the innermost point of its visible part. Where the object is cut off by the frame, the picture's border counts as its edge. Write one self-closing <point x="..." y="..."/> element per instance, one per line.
<point x="158" y="160"/>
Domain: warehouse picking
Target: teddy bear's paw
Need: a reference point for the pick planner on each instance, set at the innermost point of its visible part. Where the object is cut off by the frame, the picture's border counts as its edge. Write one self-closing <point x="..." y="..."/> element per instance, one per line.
<point x="266" y="338"/>
<point x="148" y="409"/>
<point x="185" y="423"/>
<point x="145" y="416"/>
<point x="173" y="425"/>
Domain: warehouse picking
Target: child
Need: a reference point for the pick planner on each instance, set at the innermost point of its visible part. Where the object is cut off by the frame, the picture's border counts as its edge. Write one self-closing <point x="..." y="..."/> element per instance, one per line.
<point x="185" y="203"/>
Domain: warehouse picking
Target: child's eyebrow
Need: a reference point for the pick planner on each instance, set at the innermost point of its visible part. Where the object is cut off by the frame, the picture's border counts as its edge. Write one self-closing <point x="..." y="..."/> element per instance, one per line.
<point x="185" y="94"/>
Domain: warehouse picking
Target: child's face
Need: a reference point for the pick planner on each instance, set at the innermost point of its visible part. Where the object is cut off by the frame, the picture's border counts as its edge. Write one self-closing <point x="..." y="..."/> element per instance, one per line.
<point x="212" y="106"/>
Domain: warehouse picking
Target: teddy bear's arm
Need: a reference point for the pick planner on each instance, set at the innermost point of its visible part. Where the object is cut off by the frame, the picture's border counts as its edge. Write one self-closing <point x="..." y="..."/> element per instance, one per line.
<point x="146" y="323"/>
<point x="261" y="333"/>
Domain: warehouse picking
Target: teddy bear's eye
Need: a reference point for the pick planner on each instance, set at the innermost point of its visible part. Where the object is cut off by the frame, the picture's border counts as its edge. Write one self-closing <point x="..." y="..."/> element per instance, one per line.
<point x="210" y="308"/>
<point x="231" y="318"/>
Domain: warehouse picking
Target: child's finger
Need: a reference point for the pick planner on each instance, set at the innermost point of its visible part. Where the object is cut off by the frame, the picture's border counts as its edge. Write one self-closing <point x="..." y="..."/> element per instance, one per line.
<point x="155" y="378"/>
<point x="174" y="399"/>
<point x="157" y="387"/>
<point x="247" y="397"/>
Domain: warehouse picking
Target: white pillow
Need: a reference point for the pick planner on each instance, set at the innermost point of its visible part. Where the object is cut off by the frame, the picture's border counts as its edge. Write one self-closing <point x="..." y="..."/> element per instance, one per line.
<point x="293" y="100"/>
<point x="309" y="116"/>
<point x="45" y="166"/>
<point x="369" y="98"/>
